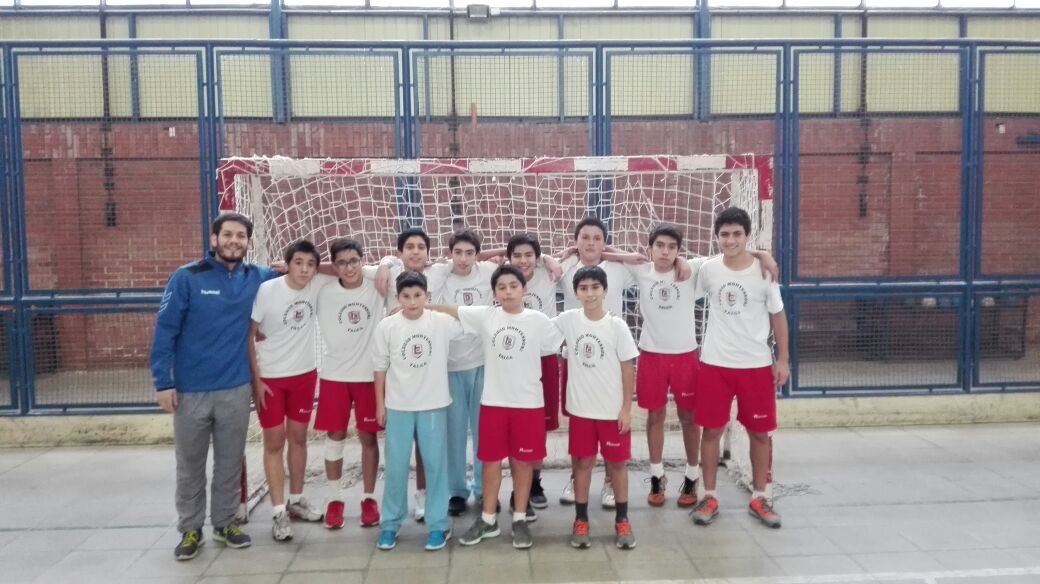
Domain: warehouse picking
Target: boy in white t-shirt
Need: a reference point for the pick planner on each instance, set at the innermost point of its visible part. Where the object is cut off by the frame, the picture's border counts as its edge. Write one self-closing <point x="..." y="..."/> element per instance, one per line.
<point x="737" y="361"/>
<point x="410" y="359"/>
<point x="511" y="407"/>
<point x="284" y="378"/>
<point x="348" y="313"/>
<point x="600" y="357"/>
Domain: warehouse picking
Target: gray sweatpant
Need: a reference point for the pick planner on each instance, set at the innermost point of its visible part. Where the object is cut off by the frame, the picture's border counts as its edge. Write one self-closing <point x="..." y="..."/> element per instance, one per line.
<point x="224" y="415"/>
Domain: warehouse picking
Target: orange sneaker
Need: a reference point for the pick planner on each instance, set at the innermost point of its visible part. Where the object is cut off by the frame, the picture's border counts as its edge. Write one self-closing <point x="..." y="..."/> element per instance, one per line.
<point x="687" y="493"/>
<point x="580" y="535"/>
<point x="760" y="509"/>
<point x="625" y="539"/>
<point x="706" y="511"/>
<point x="657" y="487"/>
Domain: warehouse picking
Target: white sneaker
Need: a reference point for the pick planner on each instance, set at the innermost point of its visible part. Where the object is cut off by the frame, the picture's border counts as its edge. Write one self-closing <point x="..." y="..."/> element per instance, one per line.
<point x="606" y="496"/>
<point x="420" y="505"/>
<point x="281" y="529"/>
<point x="304" y="510"/>
<point x="567" y="497"/>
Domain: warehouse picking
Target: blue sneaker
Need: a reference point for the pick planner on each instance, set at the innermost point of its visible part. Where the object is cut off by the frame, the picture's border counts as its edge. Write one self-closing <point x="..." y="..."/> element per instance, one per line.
<point x="437" y="540"/>
<point x="387" y="540"/>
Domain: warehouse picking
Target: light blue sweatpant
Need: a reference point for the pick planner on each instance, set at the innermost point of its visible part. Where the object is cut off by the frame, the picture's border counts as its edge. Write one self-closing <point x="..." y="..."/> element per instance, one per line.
<point x="430" y="427"/>
<point x="463" y="414"/>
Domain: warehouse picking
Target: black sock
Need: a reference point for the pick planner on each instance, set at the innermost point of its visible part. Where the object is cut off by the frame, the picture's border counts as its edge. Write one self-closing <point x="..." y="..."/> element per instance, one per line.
<point x="536" y="475"/>
<point x="620" y="512"/>
<point x="581" y="511"/>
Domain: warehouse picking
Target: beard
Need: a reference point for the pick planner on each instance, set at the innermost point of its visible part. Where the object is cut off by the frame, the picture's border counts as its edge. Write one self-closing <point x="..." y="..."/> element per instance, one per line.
<point x="230" y="254"/>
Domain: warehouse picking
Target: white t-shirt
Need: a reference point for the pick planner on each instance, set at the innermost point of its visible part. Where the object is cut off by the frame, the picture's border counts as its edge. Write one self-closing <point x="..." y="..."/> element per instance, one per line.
<point x="541" y="292"/>
<point x="513" y="348"/>
<point x="667" y="308"/>
<point x="286" y="318"/>
<point x="347" y="319"/>
<point x="473" y="289"/>
<point x="595" y="350"/>
<point x="414" y="354"/>
<point x="739" y="305"/>
<point x="618" y="280"/>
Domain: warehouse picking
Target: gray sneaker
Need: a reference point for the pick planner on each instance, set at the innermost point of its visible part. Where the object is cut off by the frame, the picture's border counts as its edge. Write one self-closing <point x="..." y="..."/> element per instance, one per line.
<point x="521" y="535"/>
<point x="232" y="536"/>
<point x="304" y="510"/>
<point x="479" y="531"/>
<point x="281" y="529"/>
<point x="580" y="535"/>
<point x="625" y="540"/>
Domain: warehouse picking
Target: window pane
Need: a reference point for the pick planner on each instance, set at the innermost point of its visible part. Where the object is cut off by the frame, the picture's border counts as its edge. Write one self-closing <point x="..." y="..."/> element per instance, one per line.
<point x="574" y="3"/>
<point x="145" y="2"/>
<point x="902" y="3"/>
<point x="60" y="2"/>
<point x="977" y="3"/>
<point x="657" y="3"/>
<point x="823" y="3"/>
<point x="351" y="3"/>
<point x="409" y="3"/>
<point x="749" y="3"/>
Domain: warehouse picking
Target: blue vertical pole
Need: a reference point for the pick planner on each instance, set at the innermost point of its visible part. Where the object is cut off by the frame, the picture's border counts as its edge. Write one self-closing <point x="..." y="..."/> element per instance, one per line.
<point x="836" y="103"/>
<point x="207" y="158"/>
<point x="703" y="62"/>
<point x="427" y="99"/>
<point x="561" y="89"/>
<point x="135" y="77"/>
<point x="972" y="71"/>
<point x="22" y="373"/>
<point x="279" y="96"/>
<point x="787" y="206"/>
<point x="602" y="101"/>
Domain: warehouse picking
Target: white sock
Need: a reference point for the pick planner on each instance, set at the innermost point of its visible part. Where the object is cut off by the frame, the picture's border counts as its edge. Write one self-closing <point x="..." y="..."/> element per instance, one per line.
<point x="368" y="496"/>
<point x="757" y="494"/>
<point x="488" y="518"/>
<point x="277" y="510"/>
<point x="519" y="516"/>
<point x="295" y="498"/>
<point x="657" y="469"/>
<point x="693" y="472"/>
<point x="341" y="495"/>
<point x="710" y="494"/>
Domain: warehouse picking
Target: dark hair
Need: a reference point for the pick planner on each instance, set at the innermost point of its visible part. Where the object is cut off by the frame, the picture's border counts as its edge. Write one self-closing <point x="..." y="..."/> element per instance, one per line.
<point x="593" y="221"/>
<point x="667" y="230"/>
<point x="733" y="216"/>
<point x="507" y="270"/>
<point x="301" y="246"/>
<point x="467" y="235"/>
<point x="226" y="216"/>
<point x="344" y="244"/>
<point x="405" y="235"/>
<point x="523" y="239"/>
<point x="411" y="279"/>
<point x="590" y="273"/>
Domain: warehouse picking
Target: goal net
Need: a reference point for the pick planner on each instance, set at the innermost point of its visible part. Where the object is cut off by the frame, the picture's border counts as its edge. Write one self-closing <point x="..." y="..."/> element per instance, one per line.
<point x="372" y="200"/>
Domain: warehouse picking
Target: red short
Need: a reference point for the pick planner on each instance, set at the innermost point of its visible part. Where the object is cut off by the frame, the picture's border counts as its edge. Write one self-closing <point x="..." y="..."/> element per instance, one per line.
<point x="753" y="388"/>
<point x="511" y="433"/>
<point x="551" y="391"/>
<point x="587" y="437"/>
<point x="657" y="372"/>
<point x="290" y="397"/>
<point x="335" y="400"/>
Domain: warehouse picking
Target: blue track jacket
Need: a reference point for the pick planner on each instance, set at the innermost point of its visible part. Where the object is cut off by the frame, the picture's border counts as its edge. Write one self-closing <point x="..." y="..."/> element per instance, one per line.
<point x="203" y="324"/>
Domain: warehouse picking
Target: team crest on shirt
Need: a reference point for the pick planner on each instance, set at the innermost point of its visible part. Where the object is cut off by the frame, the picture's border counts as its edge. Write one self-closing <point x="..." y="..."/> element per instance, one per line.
<point x="508" y="341"/>
<point x="467" y="296"/>
<point x="354" y="317"/>
<point x="732" y="298"/>
<point x="415" y="351"/>
<point x="298" y="314"/>
<point x="589" y="350"/>
<point x="532" y="301"/>
<point x="664" y="294"/>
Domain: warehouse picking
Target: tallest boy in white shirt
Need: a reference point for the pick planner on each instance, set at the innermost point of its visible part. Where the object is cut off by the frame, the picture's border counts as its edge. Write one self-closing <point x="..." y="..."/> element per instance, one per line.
<point x="737" y="361"/>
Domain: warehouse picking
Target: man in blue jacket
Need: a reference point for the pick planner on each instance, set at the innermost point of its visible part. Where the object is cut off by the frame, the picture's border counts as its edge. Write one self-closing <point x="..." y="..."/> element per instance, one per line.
<point x="201" y="372"/>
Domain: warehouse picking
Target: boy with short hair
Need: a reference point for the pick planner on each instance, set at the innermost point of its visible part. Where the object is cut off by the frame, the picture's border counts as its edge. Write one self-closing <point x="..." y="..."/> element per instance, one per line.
<point x="410" y="361"/>
<point x="512" y="407"/>
<point x="601" y="354"/>
<point x="284" y="378"/>
<point x="737" y="361"/>
<point x="348" y="313"/>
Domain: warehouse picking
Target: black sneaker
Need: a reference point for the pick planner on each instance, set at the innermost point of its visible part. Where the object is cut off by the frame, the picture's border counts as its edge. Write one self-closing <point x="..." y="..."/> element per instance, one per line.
<point x="538" y="500"/>
<point x="531" y="516"/>
<point x="189" y="546"/>
<point x="233" y="537"/>
<point x="456" y="506"/>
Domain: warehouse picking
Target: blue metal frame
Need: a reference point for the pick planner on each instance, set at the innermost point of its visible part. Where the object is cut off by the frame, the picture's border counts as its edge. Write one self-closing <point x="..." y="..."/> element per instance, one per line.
<point x="1024" y="292"/>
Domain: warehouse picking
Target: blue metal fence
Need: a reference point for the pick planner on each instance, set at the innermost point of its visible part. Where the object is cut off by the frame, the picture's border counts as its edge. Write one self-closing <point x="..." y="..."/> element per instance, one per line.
<point x="926" y="293"/>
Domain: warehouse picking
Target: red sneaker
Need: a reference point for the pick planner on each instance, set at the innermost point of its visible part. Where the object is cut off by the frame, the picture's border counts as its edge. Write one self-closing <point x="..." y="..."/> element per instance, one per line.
<point x="334" y="515"/>
<point x="760" y="509"/>
<point x="706" y="511"/>
<point x="369" y="513"/>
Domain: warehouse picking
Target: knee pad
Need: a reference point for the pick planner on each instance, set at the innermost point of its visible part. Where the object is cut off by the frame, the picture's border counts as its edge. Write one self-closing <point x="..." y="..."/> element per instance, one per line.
<point x="334" y="449"/>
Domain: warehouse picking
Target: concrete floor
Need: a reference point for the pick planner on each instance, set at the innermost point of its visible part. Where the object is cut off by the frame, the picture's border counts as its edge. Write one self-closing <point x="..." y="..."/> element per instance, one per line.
<point x="923" y="505"/>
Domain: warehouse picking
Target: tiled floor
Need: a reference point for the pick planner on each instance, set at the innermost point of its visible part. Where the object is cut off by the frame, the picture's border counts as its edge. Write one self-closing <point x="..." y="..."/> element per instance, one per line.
<point x="921" y="505"/>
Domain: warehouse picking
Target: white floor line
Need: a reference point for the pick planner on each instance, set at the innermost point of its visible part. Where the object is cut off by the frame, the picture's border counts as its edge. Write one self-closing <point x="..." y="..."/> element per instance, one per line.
<point x="923" y="577"/>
